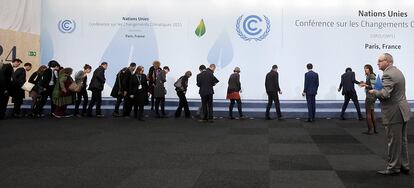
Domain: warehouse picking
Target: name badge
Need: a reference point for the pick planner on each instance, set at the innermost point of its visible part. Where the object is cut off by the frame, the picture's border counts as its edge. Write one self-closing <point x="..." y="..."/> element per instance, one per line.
<point x="140" y="87"/>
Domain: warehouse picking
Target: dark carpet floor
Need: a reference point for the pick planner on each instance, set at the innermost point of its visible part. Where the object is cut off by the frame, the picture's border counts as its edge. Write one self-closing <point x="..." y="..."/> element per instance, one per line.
<point x="118" y="152"/>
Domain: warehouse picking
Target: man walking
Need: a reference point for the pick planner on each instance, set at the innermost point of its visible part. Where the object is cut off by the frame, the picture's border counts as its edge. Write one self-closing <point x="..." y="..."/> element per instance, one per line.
<point x="348" y="91"/>
<point x="310" y="90"/>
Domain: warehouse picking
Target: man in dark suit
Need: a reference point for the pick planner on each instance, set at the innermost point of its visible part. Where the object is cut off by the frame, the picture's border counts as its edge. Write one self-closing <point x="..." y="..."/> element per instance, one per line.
<point x="206" y="80"/>
<point x="120" y="88"/>
<point x="348" y="91"/>
<point x="48" y="82"/>
<point x="272" y="90"/>
<point x="97" y="86"/>
<point x="395" y="115"/>
<point x="310" y="90"/>
<point x="17" y="93"/>
<point x="6" y="72"/>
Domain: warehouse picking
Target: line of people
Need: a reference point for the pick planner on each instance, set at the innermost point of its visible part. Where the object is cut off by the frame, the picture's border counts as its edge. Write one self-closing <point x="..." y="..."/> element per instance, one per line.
<point x="134" y="90"/>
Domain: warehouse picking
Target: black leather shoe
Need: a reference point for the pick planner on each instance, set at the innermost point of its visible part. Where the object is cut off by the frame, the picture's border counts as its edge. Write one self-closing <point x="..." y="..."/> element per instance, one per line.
<point x="342" y="118"/>
<point x="367" y="132"/>
<point x="309" y="121"/>
<point x="388" y="172"/>
<point x="268" y="118"/>
<point x="405" y="171"/>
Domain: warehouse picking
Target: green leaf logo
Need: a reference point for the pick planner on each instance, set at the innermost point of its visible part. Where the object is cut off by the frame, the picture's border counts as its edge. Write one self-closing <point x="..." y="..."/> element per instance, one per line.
<point x="201" y="29"/>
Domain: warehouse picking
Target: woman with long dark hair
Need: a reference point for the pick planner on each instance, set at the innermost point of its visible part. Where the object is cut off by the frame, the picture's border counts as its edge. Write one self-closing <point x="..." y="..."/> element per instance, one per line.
<point x="370" y="99"/>
<point x="35" y="93"/>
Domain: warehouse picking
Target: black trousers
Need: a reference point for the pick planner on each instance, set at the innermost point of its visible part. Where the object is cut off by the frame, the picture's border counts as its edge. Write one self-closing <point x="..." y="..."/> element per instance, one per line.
<point x="239" y="107"/>
<point x="96" y="99"/>
<point x="128" y="103"/>
<point x="160" y="101"/>
<point x="310" y="99"/>
<point x="118" y="103"/>
<point x="17" y="105"/>
<point x="82" y="94"/>
<point x="272" y="96"/>
<point x="138" y="103"/>
<point x="351" y="96"/>
<point x="4" y="99"/>
<point x="207" y="106"/>
<point x="183" y="103"/>
<point x="45" y="95"/>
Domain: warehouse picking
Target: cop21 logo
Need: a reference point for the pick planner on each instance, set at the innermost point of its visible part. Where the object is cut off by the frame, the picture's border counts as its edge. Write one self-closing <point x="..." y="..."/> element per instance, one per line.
<point x="253" y="27"/>
<point x="67" y="26"/>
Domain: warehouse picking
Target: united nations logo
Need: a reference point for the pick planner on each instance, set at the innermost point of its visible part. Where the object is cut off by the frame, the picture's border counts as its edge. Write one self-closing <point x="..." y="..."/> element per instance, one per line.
<point x="252" y="27"/>
<point x="67" y="26"/>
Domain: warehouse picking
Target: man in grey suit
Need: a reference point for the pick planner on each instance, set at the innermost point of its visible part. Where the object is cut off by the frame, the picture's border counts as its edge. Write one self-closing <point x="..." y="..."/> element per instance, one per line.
<point x="395" y="115"/>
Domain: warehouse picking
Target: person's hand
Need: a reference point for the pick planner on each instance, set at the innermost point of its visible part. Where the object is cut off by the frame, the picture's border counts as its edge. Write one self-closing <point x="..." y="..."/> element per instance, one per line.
<point x="280" y="92"/>
<point x="363" y="85"/>
<point x="372" y="91"/>
<point x="125" y="93"/>
<point x="64" y="90"/>
<point x="339" y="90"/>
<point x="304" y="93"/>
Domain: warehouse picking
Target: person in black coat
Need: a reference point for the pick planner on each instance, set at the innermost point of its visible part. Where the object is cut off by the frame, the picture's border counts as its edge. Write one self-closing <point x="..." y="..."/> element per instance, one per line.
<point x="233" y="92"/>
<point x="96" y="86"/>
<point x="310" y="90"/>
<point x="6" y="72"/>
<point x="120" y="88"/>
<point x="206" y="80"/>
<point x="36" y="79"/>
<point x="138" y="92"/>
<point x="181" y="91"/>
<point x="48" y="84"/>
<point x="348" y="91"/>
<point x="272" y="90"/>
<point x="153" y="71"/>
<point x="18" y="94"/>
<point x="81" y="77"/>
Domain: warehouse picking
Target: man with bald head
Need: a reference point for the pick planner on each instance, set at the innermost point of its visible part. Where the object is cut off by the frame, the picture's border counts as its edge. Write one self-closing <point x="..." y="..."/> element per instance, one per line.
<point x="395" y="115"/>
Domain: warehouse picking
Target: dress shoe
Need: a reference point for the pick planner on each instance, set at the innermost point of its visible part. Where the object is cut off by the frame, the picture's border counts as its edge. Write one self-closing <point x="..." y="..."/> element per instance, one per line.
<point x="342" y="118"/>
<point x="280" y="118"/>
<point x="268" y="118"/>
<point x="405" y="171"/>
<point x="309" y="121"/>
<point x="100" y="115"/>
<point x="388" y="172"/>
<point x="367" y="132"/>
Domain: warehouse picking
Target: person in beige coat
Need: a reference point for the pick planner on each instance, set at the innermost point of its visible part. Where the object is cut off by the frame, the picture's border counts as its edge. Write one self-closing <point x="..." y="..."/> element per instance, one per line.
<point x="395" y="115"/>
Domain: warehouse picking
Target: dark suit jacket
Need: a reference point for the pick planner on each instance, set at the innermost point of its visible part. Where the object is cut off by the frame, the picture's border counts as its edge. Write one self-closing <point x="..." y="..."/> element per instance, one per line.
<point x="272" y="82"/>
<point x="134" y="82"/>
<point x="6" y="72"/>
<point x="347" y="83"/>
<point x="206" y="80"/>
<point x="98" y="79"/>
<point x="311" y="83"/>
<point x="119" y="85"/>
<point x="18" y="79"/>
<point x="47" y="77"/>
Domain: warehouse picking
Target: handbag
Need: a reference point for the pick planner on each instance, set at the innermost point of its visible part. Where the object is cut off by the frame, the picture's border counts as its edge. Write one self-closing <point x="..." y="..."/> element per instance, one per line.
<point x="75" y="87"/>
<point x="27" y="86"/>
